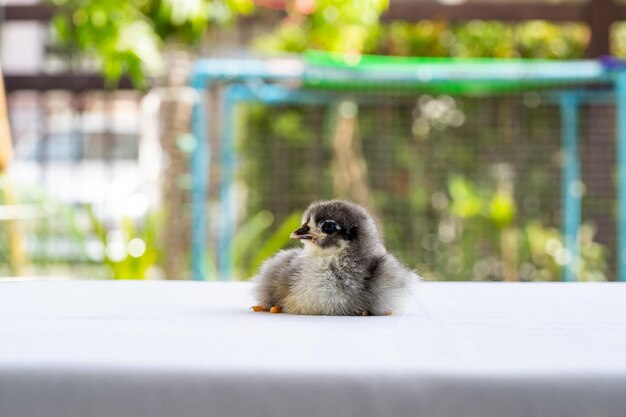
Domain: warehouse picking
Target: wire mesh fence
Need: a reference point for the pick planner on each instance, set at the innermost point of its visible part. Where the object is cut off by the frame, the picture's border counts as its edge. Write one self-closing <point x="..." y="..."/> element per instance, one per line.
<point x="464" y="188"/>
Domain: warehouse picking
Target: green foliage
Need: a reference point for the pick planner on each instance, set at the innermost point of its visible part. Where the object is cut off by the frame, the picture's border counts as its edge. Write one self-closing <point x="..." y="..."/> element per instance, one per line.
<point x="277" y="240"/>
<point x="114" y="31"/>
<point x="353" y="26"/>
<point x="532" y="251"/>
<point x="421" y="39"/>
<point x="502" y="209"/>
<point x="132" y="251"/>
<point x="543" y="246"/>
<point x="618" y="39"/>
<point x="44" y="225"/>
<point x="478" y="38"/>
<point x="187" y="20"/>
<point x="540" y="39"/>
<point x="72" y="241"/>
<point x="127" y="36"/>
<point x="333" y="25"/>
<point x="247" y="239"/>
<point x="466" y="200"/>
<point x="255" y="241"/>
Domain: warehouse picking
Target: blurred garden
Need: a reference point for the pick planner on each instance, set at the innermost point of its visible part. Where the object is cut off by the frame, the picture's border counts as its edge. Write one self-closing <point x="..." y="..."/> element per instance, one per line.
<point x="464" y="187"/>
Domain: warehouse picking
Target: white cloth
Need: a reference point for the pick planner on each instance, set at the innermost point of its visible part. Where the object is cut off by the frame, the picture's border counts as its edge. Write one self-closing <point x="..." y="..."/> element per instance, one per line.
<point x="108" y="349"/>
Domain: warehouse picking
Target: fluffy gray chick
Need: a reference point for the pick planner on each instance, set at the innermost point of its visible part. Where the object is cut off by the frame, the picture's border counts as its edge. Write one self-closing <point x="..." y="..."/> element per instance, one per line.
<point x="343" y="268"/>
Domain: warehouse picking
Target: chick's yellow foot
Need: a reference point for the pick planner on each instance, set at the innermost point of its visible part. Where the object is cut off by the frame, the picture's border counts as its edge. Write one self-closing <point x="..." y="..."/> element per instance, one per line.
<point x="258" y="308"/>
<point x="276" y="309"/>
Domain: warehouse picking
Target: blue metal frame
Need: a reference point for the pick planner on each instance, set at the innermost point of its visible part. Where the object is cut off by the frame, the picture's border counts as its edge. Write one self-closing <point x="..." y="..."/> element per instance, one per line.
<point x="572" y="188"/>
<point x="249" y="81"/>
<point x="571" y="184"/>
<point x="205" y="74"/>
<point x="200" y="182"/>
<point x="620" y="92"/>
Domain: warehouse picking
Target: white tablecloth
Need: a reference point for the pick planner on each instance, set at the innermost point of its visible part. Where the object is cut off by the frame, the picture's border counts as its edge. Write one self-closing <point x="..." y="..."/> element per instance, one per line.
<point x="106" y="349"/>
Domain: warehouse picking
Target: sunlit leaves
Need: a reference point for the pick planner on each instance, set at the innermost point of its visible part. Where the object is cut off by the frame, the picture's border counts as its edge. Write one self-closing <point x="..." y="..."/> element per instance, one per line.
<point x="127" y="37"/>
<point x="502" y="209"/>
<point x="466" y="200"/>
<point x="479" y="38"/>
<point x="332" y="25"/>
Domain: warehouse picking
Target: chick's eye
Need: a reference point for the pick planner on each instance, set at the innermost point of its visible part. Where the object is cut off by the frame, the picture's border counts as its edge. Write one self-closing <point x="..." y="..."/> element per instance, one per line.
<point x="329" y="227"/>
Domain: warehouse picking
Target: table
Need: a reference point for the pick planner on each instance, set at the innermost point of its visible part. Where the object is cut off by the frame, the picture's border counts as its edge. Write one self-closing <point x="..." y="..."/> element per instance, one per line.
<point x="126" y="348"/>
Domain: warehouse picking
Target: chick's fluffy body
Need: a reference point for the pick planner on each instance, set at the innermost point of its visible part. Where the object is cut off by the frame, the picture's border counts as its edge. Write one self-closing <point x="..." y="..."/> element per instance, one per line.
<point x="347" y="273"/>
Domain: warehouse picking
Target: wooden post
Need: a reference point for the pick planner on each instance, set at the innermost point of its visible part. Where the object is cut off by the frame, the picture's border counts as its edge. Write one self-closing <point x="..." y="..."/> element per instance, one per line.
<point x="6" y="147"/>
<point x="17" y="254"/>
<point x="600" y="16"/>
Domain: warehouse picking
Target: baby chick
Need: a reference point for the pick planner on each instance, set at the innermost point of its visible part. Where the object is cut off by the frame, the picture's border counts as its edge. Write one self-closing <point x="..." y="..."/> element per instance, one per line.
<point x="343" y="268"/>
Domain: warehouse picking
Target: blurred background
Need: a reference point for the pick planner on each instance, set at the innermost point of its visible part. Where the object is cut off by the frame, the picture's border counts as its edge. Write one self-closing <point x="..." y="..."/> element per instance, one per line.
<point x="96" y="176"/>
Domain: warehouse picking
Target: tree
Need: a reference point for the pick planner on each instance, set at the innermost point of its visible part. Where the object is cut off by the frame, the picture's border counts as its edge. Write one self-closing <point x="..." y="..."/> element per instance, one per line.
<point x="128" y="37"/>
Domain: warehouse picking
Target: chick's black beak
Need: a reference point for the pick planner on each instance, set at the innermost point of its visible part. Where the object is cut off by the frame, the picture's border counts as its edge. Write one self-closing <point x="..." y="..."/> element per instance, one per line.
<point x="302" y="233"/>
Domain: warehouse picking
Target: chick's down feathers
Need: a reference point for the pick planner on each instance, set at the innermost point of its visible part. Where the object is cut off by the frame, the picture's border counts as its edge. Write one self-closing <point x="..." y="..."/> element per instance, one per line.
<point x="342" y="269"/>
